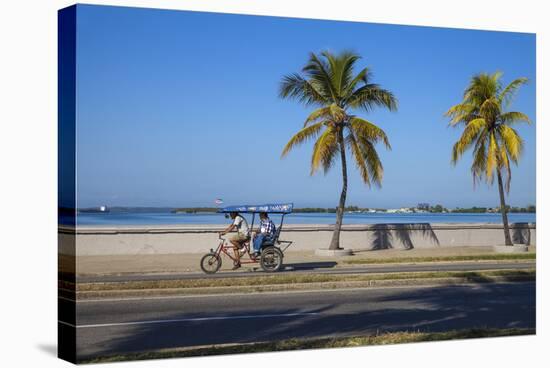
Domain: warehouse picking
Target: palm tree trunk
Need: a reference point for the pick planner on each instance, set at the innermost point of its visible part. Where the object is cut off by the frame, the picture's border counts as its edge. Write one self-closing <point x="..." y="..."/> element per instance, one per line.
<point x="507" y="238"/>
<point x="335" y="242"/>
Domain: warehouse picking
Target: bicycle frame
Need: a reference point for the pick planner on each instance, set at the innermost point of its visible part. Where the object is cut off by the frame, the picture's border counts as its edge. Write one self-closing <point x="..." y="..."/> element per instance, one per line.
<point x="227" y="248"/>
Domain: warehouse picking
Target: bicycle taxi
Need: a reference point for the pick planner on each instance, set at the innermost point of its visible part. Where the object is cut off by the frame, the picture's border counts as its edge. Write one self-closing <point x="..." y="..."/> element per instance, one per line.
<point x="272" y="248"/>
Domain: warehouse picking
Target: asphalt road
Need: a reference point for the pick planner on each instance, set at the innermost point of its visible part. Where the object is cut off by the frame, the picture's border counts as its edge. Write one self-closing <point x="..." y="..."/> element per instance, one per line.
<point x="121" y="326"/>
<point x="321" y="267"/>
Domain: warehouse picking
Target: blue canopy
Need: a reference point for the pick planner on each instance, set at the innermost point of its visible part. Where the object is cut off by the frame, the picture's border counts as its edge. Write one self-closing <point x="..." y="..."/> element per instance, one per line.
<point x="270" y="208"/>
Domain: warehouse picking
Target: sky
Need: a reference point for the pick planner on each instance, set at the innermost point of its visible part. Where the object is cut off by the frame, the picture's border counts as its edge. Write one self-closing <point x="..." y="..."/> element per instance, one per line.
<point x="179" y="108"/>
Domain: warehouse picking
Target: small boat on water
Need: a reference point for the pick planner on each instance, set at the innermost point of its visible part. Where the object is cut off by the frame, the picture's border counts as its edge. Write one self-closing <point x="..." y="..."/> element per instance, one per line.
<point x="100" y="209"/>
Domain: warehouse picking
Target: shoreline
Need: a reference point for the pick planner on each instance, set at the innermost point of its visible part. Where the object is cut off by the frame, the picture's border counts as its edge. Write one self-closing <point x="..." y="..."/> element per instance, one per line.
<point x="176" y="220"/>
<point x="293" y="227"/>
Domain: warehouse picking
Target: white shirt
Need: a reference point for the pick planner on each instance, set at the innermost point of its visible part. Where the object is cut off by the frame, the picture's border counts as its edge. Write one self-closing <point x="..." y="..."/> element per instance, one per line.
<point x="241" y="224"/>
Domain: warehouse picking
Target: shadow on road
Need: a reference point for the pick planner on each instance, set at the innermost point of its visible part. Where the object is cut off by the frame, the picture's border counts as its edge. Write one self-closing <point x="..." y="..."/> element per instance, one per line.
<point x="350" y="314"/>
<point x="305" y="266"/>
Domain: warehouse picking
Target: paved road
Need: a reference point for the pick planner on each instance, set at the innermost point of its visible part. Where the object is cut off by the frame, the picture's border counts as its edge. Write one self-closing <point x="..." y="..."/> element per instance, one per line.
<point x="121" y="326"/>
<point x="322" y="267"/>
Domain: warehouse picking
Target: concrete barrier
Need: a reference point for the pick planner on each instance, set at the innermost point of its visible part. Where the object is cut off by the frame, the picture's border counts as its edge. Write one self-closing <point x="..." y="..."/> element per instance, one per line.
<point x="127" y="240"/>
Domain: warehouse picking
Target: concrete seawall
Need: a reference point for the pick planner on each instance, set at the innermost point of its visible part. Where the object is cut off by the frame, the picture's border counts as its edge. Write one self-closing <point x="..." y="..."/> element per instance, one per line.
<point x="132" y="240"/>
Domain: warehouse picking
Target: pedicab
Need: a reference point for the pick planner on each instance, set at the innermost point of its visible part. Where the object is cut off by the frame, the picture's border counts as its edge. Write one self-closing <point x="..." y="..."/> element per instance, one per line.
<point x="272" y="248"/>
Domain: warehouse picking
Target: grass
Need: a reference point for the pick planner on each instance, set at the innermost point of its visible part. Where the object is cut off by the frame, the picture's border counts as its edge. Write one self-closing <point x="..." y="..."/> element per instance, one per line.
<point x="299" y="279"/>
<point x="322" y="343"/>
<point x="479" y="257"/>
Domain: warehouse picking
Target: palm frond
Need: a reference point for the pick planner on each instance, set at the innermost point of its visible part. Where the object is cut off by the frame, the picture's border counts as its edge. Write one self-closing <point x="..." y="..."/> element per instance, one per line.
<point x="506" y="96"/>
<point x="512" y="142"/>
<point x="468" y="138"/>
<point x="374" y="163"/>
<point x="359" y="158"/>
<point x="492" y="158"/>
<point x="370" y="131"/>
<point x="295" y="87"/>
<point x="341" y="67"/>
<point x="302" y="136"/>
<point x="480" y="159"/>
<point x="482" y="86"/>
<point x="324" y="151"/>
<point x="461" y="113"/>
<point x="322" y="112"/>
<point x="371" y="95"/>
<point x="366" y="158"/>
<point x="514" y="117"/>
<point x="319" y="71"/>
<point x="363" y="76"/>
<point x="490" y="109"/>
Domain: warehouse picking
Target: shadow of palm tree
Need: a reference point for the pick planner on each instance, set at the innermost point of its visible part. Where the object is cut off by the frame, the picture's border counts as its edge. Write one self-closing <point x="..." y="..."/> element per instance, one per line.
<point x="424" y="309"/>
<point x="303" y="266"/>
<point x="521" y="233"/>
<point x="385" y="235"/>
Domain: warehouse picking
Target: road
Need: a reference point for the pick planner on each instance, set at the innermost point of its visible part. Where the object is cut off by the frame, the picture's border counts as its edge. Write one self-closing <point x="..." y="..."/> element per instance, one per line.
<point x="324" y="268"/>
<point x="110" y="327"/>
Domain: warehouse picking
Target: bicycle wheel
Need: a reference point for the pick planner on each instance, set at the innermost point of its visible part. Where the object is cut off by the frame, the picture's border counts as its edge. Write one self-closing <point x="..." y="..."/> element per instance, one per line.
<point x="211" y="263"/>
<point x="271" y="259"/>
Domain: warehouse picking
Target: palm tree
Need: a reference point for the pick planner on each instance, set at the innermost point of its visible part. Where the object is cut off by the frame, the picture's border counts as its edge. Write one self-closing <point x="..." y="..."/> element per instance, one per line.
<point x="488" y="129"/>
<point x="328" y="82"/>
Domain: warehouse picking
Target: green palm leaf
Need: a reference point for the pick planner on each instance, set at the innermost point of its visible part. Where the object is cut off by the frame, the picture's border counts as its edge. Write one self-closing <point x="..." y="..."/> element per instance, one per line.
<point x="461" y="113"/>
<point x="324" y="151"/>
<point x="507" y="94"/>
<point x="302" y="136"/>
<point x="492" y="155"/>
<point x="368" y="130"/>
<point x="468" y="138"/>
<point x="512" y="142"/>
<point x="514" y="117"/>
<point x="296" y="87"/>
<point x="370" y="96"/>
<point x="366" y="158"/>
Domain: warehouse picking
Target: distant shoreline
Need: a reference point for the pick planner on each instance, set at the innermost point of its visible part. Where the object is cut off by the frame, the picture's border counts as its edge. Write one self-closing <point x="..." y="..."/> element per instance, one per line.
<point x="348" y="210"/>
<point x="176" y="219"/>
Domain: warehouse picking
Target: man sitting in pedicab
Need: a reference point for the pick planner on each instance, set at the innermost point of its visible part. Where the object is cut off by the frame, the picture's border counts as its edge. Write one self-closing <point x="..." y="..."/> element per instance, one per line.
<point x="267" y="230"/>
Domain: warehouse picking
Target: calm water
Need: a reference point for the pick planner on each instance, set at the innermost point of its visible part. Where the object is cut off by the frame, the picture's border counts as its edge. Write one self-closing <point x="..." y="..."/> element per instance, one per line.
<point x="151" y="218"/>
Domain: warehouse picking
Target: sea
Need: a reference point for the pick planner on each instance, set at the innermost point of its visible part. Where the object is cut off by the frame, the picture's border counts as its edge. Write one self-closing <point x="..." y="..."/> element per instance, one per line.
<point x="168" y="218"/>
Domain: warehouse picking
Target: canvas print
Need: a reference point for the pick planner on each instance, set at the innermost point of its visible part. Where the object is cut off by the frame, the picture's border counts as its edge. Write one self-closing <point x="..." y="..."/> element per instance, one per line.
<point x="239" y="184"/>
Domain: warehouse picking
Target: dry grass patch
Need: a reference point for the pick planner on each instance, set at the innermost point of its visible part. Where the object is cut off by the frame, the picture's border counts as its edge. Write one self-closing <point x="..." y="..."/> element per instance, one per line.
<point x="298" y="279"/>
<point x="300" y="344"/>
<point x="480" y="257"/>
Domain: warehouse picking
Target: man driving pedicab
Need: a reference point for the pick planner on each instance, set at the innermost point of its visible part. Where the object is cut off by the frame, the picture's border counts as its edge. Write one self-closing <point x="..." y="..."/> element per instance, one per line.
<point x="239" y="223"/>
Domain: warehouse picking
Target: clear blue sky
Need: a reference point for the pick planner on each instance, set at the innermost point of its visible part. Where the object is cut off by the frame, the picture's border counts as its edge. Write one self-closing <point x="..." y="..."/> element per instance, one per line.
<point x="179" y="108"/>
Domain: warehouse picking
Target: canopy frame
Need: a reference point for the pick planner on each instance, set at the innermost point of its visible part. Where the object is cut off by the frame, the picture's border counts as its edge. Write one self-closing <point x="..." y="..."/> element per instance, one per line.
<point x="275" y="208"/>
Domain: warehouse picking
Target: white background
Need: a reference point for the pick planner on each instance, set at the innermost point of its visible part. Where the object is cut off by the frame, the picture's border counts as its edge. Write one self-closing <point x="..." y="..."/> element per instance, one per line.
<point x="28" y="151"/>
